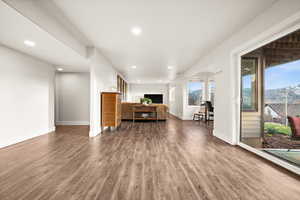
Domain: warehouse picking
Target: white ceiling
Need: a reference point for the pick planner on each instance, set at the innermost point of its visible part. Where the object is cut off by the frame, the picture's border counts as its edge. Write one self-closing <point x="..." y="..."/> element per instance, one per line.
<point x="175" y="32"/>
<point x="15" y="28"/>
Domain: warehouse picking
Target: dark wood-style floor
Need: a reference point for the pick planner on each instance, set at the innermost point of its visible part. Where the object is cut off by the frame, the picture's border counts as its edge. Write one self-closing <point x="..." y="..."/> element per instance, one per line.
<point x="176" y="160"/>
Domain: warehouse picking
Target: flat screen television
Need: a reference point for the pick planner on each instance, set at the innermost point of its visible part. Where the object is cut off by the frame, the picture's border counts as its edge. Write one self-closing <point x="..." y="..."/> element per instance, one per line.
<point x="156" y="98"/>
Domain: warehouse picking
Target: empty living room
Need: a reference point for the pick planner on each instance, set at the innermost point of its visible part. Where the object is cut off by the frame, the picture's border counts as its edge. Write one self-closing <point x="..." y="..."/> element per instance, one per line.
<point x="150" y="100"/>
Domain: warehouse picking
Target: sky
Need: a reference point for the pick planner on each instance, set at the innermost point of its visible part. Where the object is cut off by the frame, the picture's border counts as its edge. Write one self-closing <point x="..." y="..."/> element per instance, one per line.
<point x="194" y="85"/>
<point x="282" y="76"/>
<point x="279" y="76"/>
<point x="247" y="81"/>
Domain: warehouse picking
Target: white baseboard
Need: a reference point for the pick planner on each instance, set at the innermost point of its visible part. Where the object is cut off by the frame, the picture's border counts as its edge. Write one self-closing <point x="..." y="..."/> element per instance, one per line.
<point x="222" y="137"/>
<point x="187" y="118"/>
<point x="179" y="117"/>
<point x="18" y="140"/>
<point x="52" y="129"/>
<point x="172" y="113"/>
<point x="69" y="123"/>
<point x="95" y="131"/>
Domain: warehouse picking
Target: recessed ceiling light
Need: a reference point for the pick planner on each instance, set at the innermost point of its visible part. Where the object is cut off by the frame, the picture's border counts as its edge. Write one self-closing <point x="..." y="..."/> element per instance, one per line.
<point x="170" y="67"/>
<point x="136" y="30"/>
<point x="60" y="69"/>
<point x="133" y="67"/>
<point x="29" y="43"/>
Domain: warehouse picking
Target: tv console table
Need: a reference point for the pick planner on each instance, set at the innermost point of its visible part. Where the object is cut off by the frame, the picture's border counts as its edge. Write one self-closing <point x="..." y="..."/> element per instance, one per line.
<point x="144" y="112"/>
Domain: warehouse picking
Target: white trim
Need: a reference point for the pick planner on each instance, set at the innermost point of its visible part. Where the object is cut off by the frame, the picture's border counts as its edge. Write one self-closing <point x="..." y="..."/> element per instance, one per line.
<point x="187" y="118"/>
<point x="277" y="31"/>
<point x="236" y="98"/>
<point x="69" y="123"/>
<point x="222" y="137"/>
<point x="180" y="117"/>
<point x="271" y="158"/>
<point x="209" y="81"/>
<point x="15" y="141"/>
<point x="56" y="95"/>
<point x="94" y="134"/>
<point x="52" y="129"/>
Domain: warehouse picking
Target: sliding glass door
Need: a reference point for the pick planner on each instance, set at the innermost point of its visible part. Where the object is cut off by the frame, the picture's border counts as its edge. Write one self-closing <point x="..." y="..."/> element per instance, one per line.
<point x="251" y="117"/>
<point x="270" y="98"/>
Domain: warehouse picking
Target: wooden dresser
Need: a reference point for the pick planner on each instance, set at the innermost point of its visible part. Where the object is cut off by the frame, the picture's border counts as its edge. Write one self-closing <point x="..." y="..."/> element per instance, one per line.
<point x="110" y="109"/>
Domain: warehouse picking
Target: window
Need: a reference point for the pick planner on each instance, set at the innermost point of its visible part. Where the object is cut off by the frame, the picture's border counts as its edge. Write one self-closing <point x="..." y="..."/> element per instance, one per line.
<point x="195" y="93"/>
<point x="249" y="84"/>
<point x="122" y="87"/>
<point x="211" y="91"/>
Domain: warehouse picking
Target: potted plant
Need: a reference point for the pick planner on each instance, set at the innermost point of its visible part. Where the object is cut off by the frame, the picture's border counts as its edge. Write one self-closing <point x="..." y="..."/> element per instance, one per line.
<point x="146" y="101"/>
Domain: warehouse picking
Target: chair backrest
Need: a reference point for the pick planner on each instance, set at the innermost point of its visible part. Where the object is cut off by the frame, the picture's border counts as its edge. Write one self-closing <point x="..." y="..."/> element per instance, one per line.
<point x="202" y="108"/>
<point x="295" y="126"/>
<point x="209" y="106"/>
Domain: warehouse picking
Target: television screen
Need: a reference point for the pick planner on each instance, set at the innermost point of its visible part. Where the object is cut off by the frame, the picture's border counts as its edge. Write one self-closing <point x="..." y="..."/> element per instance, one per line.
<point x="156" y="98"/>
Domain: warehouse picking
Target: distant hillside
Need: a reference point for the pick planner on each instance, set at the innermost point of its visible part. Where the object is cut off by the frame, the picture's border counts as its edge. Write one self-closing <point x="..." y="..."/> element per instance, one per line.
<point x="275" y="95"/>
<point x="279" y="95"/>
<point x="247" y="98"/>
<point x="194" y="96"/>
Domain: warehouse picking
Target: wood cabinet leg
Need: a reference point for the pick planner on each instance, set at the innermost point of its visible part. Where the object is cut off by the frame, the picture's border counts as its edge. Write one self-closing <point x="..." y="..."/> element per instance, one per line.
<point x="133" y="116"/>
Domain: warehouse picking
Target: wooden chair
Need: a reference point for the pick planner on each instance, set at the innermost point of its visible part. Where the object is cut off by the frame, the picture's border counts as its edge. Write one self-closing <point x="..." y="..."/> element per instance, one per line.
<point x="200" y="115"/>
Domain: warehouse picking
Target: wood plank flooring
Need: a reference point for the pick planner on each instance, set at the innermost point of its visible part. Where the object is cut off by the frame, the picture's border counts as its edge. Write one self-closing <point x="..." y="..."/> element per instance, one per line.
<point x="176" y="160"/>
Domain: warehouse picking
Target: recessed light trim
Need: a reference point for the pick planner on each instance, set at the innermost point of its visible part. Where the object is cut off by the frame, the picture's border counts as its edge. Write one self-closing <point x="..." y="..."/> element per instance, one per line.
<point x="60" y="69"/>
<point x="136" y="31"/>
<point x="133" y="67"/>
<point x="170" y="67"/>
<point x="29" y="43"/>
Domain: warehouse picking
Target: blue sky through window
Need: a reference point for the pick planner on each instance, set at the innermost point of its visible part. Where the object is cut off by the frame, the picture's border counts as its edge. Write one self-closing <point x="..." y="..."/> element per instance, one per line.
<point x="282" y="76"/>
<point x="193" y="86"/>
<point x="247" y="81"/>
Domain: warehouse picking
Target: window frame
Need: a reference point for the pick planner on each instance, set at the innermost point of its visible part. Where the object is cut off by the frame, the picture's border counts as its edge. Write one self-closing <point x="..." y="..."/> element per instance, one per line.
<point x="256" y="84"/>
<point x="209" y="91"/>
<point x="187" y="92"/>
<point x="122" y="87"/>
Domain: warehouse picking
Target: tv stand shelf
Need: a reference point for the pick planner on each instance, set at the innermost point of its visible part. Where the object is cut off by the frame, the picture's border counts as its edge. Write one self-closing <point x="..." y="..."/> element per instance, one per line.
<point x="144" y="112"/>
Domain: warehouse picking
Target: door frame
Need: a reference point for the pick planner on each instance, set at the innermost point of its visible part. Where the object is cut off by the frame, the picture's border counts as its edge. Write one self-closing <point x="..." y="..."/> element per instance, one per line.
<point x="276" y="32"/>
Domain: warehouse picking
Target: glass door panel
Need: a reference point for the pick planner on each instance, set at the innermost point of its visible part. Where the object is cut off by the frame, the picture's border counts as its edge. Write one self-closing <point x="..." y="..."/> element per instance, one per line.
<point x="251" y="118"/>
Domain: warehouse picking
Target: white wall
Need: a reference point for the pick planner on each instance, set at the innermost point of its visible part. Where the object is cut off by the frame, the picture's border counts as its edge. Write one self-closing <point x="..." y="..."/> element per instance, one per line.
<point x="137" y="91"/>
<point x="221" y="59"/>
<point x="176" y="99"/>
<point x="27" y="97"/>
<point x="72" y="98"/>
<point x="103" y="78"/>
